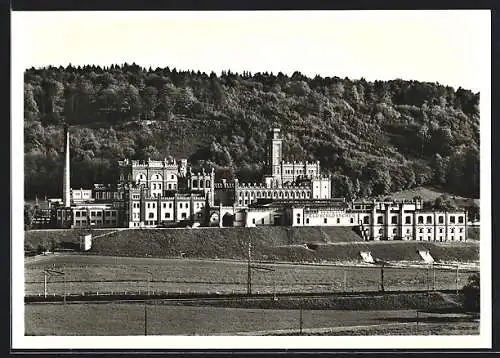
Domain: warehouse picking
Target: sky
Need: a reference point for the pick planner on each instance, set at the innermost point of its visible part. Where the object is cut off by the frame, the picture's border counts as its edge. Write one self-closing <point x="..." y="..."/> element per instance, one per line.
<point x="436" y="46"/>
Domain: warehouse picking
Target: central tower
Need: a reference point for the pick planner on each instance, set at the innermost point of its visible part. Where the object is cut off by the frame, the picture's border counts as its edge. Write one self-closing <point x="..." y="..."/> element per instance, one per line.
<point x="275" y="155"/>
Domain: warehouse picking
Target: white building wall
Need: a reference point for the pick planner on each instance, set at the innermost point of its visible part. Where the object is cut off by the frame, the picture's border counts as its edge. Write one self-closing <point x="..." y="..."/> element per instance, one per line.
<point x="167" y="210"/>
<point x="198" y="209"/>
<point x="321" y="188"/>
<point x="103" y="216"/>
<point x="156" y="184"/>
<point x="151" y="213"/>
<point x="183" y="210"/>
<point x="440" y="233"/>
<point x="298" y="217"/>
<point x="407" y="232"/>
<point x="329" y="218"/>
<point x="81" y="194"/>
<point x="170" y="180"/>
<point x="259" y="217"/>
<point x="425" y="232"/>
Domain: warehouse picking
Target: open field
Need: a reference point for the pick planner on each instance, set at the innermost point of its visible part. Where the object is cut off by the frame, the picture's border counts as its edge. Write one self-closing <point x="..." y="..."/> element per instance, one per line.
<point x="314" y="244"/>
<point x="128" y="319"/>
<point x="393" y="329"/>
<point x="106" y="273"/>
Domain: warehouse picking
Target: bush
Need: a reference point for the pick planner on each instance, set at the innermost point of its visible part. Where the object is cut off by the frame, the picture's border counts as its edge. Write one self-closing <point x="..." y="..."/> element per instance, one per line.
<point x="471" y="294"/>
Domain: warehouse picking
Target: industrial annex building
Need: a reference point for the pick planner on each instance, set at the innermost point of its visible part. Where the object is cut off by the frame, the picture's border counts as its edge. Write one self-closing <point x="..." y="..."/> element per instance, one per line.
<point x="166" y="193"/>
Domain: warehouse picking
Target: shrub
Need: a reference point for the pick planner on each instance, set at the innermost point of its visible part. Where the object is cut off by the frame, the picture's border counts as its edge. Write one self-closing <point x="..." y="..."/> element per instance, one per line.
<point x="471" y="294"/>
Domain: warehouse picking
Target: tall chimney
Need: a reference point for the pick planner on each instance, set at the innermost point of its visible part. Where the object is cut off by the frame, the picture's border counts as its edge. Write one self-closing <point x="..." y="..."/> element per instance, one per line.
<point x="66" y="183"/>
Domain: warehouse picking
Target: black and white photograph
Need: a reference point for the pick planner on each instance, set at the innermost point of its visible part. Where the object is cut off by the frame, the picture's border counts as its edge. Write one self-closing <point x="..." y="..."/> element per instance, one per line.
<point x="243" y="179"/>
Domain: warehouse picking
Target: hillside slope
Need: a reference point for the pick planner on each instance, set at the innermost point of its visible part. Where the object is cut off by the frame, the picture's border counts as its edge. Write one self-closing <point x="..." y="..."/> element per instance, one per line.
<point x="374" y="137"/>
<point x="312" y="244"/>
<point x="273" y="243"/>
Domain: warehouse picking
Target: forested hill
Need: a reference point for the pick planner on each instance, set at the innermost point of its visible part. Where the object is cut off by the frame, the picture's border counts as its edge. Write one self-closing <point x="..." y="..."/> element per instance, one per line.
<point x="373" y="137"/>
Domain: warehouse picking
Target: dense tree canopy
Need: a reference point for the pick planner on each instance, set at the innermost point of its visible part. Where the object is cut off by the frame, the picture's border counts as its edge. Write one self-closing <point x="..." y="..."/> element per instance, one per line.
<point x="373" y="137"/>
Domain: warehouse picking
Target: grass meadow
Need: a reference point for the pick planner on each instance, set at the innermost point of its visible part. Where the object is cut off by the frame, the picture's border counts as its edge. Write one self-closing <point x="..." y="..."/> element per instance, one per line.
<point x="129" y="319"/>
<point x="84" y="273"/>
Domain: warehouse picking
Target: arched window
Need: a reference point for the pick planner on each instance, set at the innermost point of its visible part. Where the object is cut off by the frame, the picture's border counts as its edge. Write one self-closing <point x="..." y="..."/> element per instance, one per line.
<point x="208" y="184"/>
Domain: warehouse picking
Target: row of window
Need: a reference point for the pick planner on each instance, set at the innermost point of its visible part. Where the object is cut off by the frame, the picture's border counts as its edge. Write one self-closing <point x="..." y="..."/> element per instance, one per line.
<point x="275" y="194"/>
<point x="77" y="195"/>
<point x="166" y="215"/>
<point x="94" y="213"/>
<point x="421" y="231"/>
<point x="158" y="186"/>
<point x="181" y="205"/>
<point x="153" y="205"/>
<point x="96" y="222"/>
<point x="201" y="183"/>
<point x="420" y="219"/>
<point x="325" y="220"/>
<point x="429" y="218"/>
<point x="103" y="195"/>
<point x="156" y="177"/>
<point x="452" y="230"/>
<point x="298" y="171"/>
<point x="429" y="238"/>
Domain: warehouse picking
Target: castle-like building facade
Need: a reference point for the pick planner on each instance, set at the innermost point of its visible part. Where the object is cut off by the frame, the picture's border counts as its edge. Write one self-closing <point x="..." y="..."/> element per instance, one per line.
<point x="167" y="193"/>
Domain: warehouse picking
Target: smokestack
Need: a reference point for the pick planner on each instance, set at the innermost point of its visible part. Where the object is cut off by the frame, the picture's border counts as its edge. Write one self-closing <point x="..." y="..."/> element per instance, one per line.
<point x="66" y="183"/>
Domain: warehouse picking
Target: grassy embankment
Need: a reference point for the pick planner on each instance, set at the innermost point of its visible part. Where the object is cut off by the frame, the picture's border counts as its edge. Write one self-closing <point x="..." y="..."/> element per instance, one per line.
<point x="313" y="244"/>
